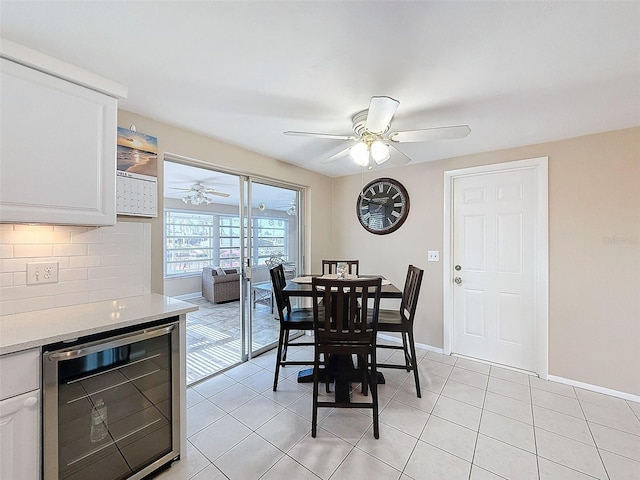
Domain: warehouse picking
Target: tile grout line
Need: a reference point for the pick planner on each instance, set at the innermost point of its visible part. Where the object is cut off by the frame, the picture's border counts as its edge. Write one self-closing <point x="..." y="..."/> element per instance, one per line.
<point x="422" y="431"/>
<point x="533" y="426"/>
<point x="475" y="445"/>
<point x="406" y="381"/>
<point x="604" y="467"/>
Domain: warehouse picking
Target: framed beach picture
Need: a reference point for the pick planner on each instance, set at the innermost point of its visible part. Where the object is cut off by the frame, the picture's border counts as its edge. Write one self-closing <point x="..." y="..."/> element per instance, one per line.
<point x="137" y="153"/>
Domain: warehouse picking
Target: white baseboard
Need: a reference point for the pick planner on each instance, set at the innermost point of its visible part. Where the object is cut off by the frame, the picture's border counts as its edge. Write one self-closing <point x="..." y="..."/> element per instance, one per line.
<point x="499" y="365"/>
<point x="596" y="388"/>
<point x="188" y="296"/>
<point x="418" y="345"/>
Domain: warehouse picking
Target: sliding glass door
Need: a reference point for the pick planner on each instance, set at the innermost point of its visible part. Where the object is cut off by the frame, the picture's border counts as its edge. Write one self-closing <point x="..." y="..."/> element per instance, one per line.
<point x="274" y="239"/>
<point x="219" y="244"/>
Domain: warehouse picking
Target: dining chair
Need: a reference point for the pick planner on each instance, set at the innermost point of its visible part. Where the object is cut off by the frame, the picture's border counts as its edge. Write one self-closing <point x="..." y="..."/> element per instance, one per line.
<point x="331" y="266"/>
<point x="345" y="325"/>
<point x="401" y="321"/>
<point x="290" y="319"/>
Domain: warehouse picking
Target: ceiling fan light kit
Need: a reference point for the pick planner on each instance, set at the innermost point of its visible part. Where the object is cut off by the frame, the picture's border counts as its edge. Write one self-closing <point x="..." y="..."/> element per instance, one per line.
<point x="196" y="199"/>
<point x="374" y="144"/>
<point x="360" y="154"/>
<point x="379" y="152"/>
<point x="365" y="151"/>
<point x="197" y="194"/>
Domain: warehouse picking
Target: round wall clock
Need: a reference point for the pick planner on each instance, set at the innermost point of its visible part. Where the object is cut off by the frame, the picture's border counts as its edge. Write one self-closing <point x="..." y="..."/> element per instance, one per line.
<point x="382" y="206"/>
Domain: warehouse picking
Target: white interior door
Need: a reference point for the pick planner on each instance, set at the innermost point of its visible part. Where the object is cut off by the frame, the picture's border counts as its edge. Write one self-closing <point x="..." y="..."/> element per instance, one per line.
<point x="494" y="267"/>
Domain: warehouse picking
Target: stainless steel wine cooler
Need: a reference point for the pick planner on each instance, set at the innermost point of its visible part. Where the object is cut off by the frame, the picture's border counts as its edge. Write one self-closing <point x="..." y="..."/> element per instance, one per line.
<point x="111" y="406"/>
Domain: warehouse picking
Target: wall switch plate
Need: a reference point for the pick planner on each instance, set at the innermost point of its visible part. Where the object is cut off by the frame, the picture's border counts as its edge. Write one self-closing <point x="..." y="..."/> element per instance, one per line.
<point x="433" y="256"/>
<point x="42" y="272"/>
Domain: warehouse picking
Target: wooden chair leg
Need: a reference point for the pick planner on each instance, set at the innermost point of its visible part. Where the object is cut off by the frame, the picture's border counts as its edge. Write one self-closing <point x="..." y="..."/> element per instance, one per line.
<point x="316" y="380"/>
<point x="414" y="363"/>
<point x="327" y="377"/>
<point x="374" y="396"/>
<point x="286" y="345"/>
<point x="275" y="378"/>
<point x="406" y="352"/>
<point x="365" y="376"/>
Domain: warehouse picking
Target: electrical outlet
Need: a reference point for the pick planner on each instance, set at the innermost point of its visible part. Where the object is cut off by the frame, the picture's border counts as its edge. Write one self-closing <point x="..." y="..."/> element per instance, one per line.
<point x="433" y="256"/>
<point x="42" y="272"/>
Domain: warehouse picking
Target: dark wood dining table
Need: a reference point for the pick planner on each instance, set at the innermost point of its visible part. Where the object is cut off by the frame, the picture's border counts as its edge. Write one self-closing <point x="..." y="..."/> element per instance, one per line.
<point x="296" y="289"/>
<point x="342" y="384"/>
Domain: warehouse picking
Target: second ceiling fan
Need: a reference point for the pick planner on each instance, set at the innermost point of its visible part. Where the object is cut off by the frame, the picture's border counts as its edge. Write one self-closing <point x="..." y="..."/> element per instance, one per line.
<point x="374" y="141"/>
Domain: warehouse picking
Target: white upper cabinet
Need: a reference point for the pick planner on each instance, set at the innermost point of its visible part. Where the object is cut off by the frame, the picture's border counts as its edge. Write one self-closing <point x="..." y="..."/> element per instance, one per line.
<point x="58" y="127"/>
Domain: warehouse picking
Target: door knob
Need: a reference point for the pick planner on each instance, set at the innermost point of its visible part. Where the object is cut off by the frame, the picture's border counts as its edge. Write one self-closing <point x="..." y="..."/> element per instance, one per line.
<point x="458" y="268"/>
<point x="458" y="280"/>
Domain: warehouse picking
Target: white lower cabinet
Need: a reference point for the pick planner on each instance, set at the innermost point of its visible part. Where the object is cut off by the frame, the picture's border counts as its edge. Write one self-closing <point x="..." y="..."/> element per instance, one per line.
<point x="20" y="437"/>
<point x="20" y="409"/>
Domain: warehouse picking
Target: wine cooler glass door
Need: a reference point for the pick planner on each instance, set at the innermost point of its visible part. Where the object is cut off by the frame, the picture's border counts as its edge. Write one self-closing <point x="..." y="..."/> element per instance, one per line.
<point x="115" y="407"/>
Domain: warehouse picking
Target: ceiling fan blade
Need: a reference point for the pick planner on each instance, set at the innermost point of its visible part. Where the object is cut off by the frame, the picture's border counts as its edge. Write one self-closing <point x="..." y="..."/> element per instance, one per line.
<point x="213" y="191"/>
<point x="320" y="135"/>
<point x="183" y="189"/>
<point x="338" y="155"/>
<point x="438" y="133"/>
<point x="381" y="111"/>
<point x="396" y="157"/>
<point x="210" y="191"/>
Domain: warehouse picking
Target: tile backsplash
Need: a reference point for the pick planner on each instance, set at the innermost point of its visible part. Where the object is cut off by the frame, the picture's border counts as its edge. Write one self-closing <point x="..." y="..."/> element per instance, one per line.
<point x="95" y="263"/>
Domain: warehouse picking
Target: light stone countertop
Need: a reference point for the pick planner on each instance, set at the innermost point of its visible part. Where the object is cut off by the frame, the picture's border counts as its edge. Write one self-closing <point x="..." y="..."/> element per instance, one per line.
<point x="27" y="330"/>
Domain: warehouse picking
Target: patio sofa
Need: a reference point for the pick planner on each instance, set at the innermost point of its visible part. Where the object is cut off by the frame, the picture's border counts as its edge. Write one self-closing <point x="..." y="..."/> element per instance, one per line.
<point x="220" y="285"/>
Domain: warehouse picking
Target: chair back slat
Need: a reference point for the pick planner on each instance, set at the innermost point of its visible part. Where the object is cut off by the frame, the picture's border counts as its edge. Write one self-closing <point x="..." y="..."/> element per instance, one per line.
<point x="278" y="282"/>
<point x="331" y="266"/>
<point x="347" y="317"/>
<point x="411" y="292"/>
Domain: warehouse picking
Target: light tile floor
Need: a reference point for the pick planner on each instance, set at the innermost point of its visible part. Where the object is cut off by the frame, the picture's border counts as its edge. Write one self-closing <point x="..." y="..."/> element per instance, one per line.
<point x="473" y="422"/>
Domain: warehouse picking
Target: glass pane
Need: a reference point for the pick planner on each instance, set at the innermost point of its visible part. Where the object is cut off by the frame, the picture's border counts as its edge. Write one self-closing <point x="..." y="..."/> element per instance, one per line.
<point x="199" y="236"/>
<point x="274" y="233"/>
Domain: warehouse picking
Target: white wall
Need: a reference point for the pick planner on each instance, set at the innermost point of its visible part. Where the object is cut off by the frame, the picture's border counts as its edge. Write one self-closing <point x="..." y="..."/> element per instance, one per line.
<point x="176" y="141"/>
<point x="594" y="249"/>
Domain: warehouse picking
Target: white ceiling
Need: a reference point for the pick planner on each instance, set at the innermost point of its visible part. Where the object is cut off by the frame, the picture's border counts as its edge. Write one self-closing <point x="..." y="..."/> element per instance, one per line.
<point x="243" y="72"/>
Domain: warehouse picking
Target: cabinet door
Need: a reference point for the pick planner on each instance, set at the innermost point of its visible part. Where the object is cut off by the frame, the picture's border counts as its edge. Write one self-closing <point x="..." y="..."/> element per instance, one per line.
<point x="57" y="150"/>
<point x="19" y="437"/>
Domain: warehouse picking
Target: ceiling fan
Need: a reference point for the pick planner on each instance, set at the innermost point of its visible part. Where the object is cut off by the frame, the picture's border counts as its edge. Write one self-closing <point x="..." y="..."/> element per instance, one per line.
<point x="374" y="142"/>
<point x="197" y="193"/>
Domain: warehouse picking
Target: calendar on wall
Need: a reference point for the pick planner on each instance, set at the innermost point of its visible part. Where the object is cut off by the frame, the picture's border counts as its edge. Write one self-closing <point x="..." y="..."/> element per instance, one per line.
<point x="136" y="194"/>
<point x="137" y="174"/>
